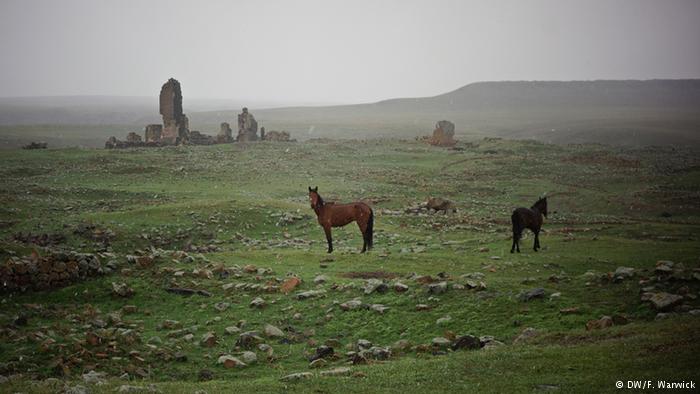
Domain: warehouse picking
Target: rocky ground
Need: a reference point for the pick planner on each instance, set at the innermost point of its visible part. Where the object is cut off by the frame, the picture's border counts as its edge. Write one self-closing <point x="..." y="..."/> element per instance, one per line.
<point x="202" y="268"/>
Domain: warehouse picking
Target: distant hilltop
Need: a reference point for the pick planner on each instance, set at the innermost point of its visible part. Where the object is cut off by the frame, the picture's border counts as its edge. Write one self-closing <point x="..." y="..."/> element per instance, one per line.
<point x="684" y="93"/>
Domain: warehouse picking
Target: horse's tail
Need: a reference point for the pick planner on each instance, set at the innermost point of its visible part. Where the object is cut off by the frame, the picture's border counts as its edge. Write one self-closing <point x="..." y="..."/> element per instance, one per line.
<point x="370" y="228"/>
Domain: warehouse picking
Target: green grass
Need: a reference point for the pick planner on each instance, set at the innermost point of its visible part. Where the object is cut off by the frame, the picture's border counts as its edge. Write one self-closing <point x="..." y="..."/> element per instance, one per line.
<point x="609" y="207"/>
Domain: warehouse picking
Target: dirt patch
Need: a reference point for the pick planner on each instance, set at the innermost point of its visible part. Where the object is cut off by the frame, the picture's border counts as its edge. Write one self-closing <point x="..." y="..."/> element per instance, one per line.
<point x="370" y="274"/>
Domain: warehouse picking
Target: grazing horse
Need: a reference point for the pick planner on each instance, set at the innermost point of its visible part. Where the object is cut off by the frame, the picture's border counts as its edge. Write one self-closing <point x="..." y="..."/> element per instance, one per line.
<point x="523" y="218"/>
<point x="337" y="215"/>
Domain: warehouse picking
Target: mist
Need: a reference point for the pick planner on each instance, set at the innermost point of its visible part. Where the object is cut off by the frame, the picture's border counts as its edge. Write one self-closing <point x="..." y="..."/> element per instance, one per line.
<point x="332" y="52"/>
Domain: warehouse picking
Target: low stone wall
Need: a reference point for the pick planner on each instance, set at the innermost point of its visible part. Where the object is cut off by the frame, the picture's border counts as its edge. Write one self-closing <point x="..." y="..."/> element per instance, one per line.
<point x="49" y="272"/>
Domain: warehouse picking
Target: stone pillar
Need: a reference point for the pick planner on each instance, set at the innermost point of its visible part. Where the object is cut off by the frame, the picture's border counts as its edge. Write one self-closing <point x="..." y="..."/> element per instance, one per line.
<point x="175" y="123"/>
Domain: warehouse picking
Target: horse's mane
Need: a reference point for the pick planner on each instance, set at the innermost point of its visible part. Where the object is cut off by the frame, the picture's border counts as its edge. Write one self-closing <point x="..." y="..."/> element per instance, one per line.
<point x="320" y="202"/>
<point x="540" y="200"/>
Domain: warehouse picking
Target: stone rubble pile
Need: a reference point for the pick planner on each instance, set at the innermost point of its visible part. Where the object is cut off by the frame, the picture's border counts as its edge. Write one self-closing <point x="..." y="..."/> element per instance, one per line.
<point x="52" y="271"/>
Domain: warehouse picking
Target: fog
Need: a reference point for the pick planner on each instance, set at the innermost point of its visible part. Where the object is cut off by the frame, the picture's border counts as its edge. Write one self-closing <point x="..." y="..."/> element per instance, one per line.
<point x="317" y="52"/>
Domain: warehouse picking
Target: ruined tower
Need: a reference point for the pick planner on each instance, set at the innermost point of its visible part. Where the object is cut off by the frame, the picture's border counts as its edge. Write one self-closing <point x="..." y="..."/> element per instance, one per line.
<point x="175" y="123"/>
<point x="247" y="127"/>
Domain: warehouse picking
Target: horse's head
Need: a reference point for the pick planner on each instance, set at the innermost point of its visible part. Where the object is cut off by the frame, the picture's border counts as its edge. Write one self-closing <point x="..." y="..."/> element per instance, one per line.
<point x="541" y="205"/>
<point x="315" y="199"/>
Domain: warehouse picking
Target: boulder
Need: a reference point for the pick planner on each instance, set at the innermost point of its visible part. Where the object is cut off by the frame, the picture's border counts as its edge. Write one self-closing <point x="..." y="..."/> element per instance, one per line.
<point x="229" y="361"/>
<point x="664" y="301"/>
<point x="443" y="135"/>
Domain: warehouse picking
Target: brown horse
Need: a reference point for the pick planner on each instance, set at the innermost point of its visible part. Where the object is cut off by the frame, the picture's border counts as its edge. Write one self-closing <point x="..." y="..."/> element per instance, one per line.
<point x="523" y="218"/>
<point x="338" y="215"/>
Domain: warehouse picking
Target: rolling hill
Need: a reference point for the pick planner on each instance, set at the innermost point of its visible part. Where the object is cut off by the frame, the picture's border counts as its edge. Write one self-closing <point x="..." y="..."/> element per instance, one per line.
<point x="626" y="112"/>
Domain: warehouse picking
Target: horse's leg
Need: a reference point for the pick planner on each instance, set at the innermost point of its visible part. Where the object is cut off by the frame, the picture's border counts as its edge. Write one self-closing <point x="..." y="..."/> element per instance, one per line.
<point x="537" y="240"/>
<point x="516" y="232"/>
<point x="517" y="240"/>
<point x="329" y="238"/>
<point x="363" y="229"/>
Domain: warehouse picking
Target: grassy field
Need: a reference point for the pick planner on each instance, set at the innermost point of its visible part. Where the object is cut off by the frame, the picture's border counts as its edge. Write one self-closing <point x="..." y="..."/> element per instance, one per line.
<point x="248" y="205"/>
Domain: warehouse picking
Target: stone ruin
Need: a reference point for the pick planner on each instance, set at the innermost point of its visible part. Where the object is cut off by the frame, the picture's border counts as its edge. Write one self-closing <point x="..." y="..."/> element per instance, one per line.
<point x="153" y="132"/>
<point x="279" y="136"/>
<point x="36" y="145"/>
<point x="175" y="123"/>
<point x="175" y="128"/>
<point x="247" y="127"/>
<point x="225" y="134"/>
<point x="53" y="271"/>
<point x="197" y="138"/>
<point x="443" y="135"/>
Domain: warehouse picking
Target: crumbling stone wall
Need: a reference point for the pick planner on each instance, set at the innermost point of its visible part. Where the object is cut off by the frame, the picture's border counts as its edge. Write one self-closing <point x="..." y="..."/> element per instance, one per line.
<point x="225" y="133"/>
<point x="133" y="137"/>
<point x="152" y="132"/>
<point x="273" y="135"/>
<point x="53" y="271"/>
<point x="197" y="138"/>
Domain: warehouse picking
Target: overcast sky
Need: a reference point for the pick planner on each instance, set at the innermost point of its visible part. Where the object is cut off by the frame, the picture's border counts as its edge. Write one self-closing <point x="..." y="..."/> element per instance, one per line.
<point x="336" y="51"/>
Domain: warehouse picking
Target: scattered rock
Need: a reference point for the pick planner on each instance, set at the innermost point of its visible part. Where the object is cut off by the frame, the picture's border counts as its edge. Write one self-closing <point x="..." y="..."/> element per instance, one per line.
<point x="603" y="322"/>
<point x="380" y="353"/>
<point x="205" y="374"/>
<point x="400" y="287"/>
<point x="437" y="288"/>
<point x="363" y="344"/>
<point x="379" y="308"/>
<point x="188" y="292"/>
<point x="297" y="376"/>
<point x="319" y="363"/>
<point x="322" y="351"/>
<point x="96" y="378"/>
<point x="466" y="342"/>
<point x="258" y="303"/>
<point x="569" y="311"/>
<point x="441" y="343"/>
<point x="122" y="290"/>
<point x="340" y="371"/>
<point x="526" y="335"/>
<point x="402" y="345"/>
<point x="231" y="330"/>
<point x="310" y="294"/>
<point x="229" y="361"/>
<point x="208" y="340"/>
<point x="249" y="340"/>
<point x="620" y="320"/>
<point x="622" y="273"/>
<point x="351" y="305"/>
<point x="320" y="279"/>
<point x="373" y="285"/>
<point x="664" y="301"/>
<point x="249" y="357"/>
<point x="489" y="342"/>
<point x="526" y="296"/>
<point x="444" y="320"/>
<point x="271" y="331"/>
<point x="290" y="284"/>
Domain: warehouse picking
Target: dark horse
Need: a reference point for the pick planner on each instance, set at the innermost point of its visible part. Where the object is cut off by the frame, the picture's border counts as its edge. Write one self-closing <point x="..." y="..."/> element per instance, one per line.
<point x="338" y="215"/>
<point x="523" y="218"/>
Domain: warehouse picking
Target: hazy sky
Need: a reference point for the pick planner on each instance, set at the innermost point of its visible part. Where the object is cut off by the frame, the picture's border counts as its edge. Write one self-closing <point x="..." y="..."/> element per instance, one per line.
<point x="336" y="51"/>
